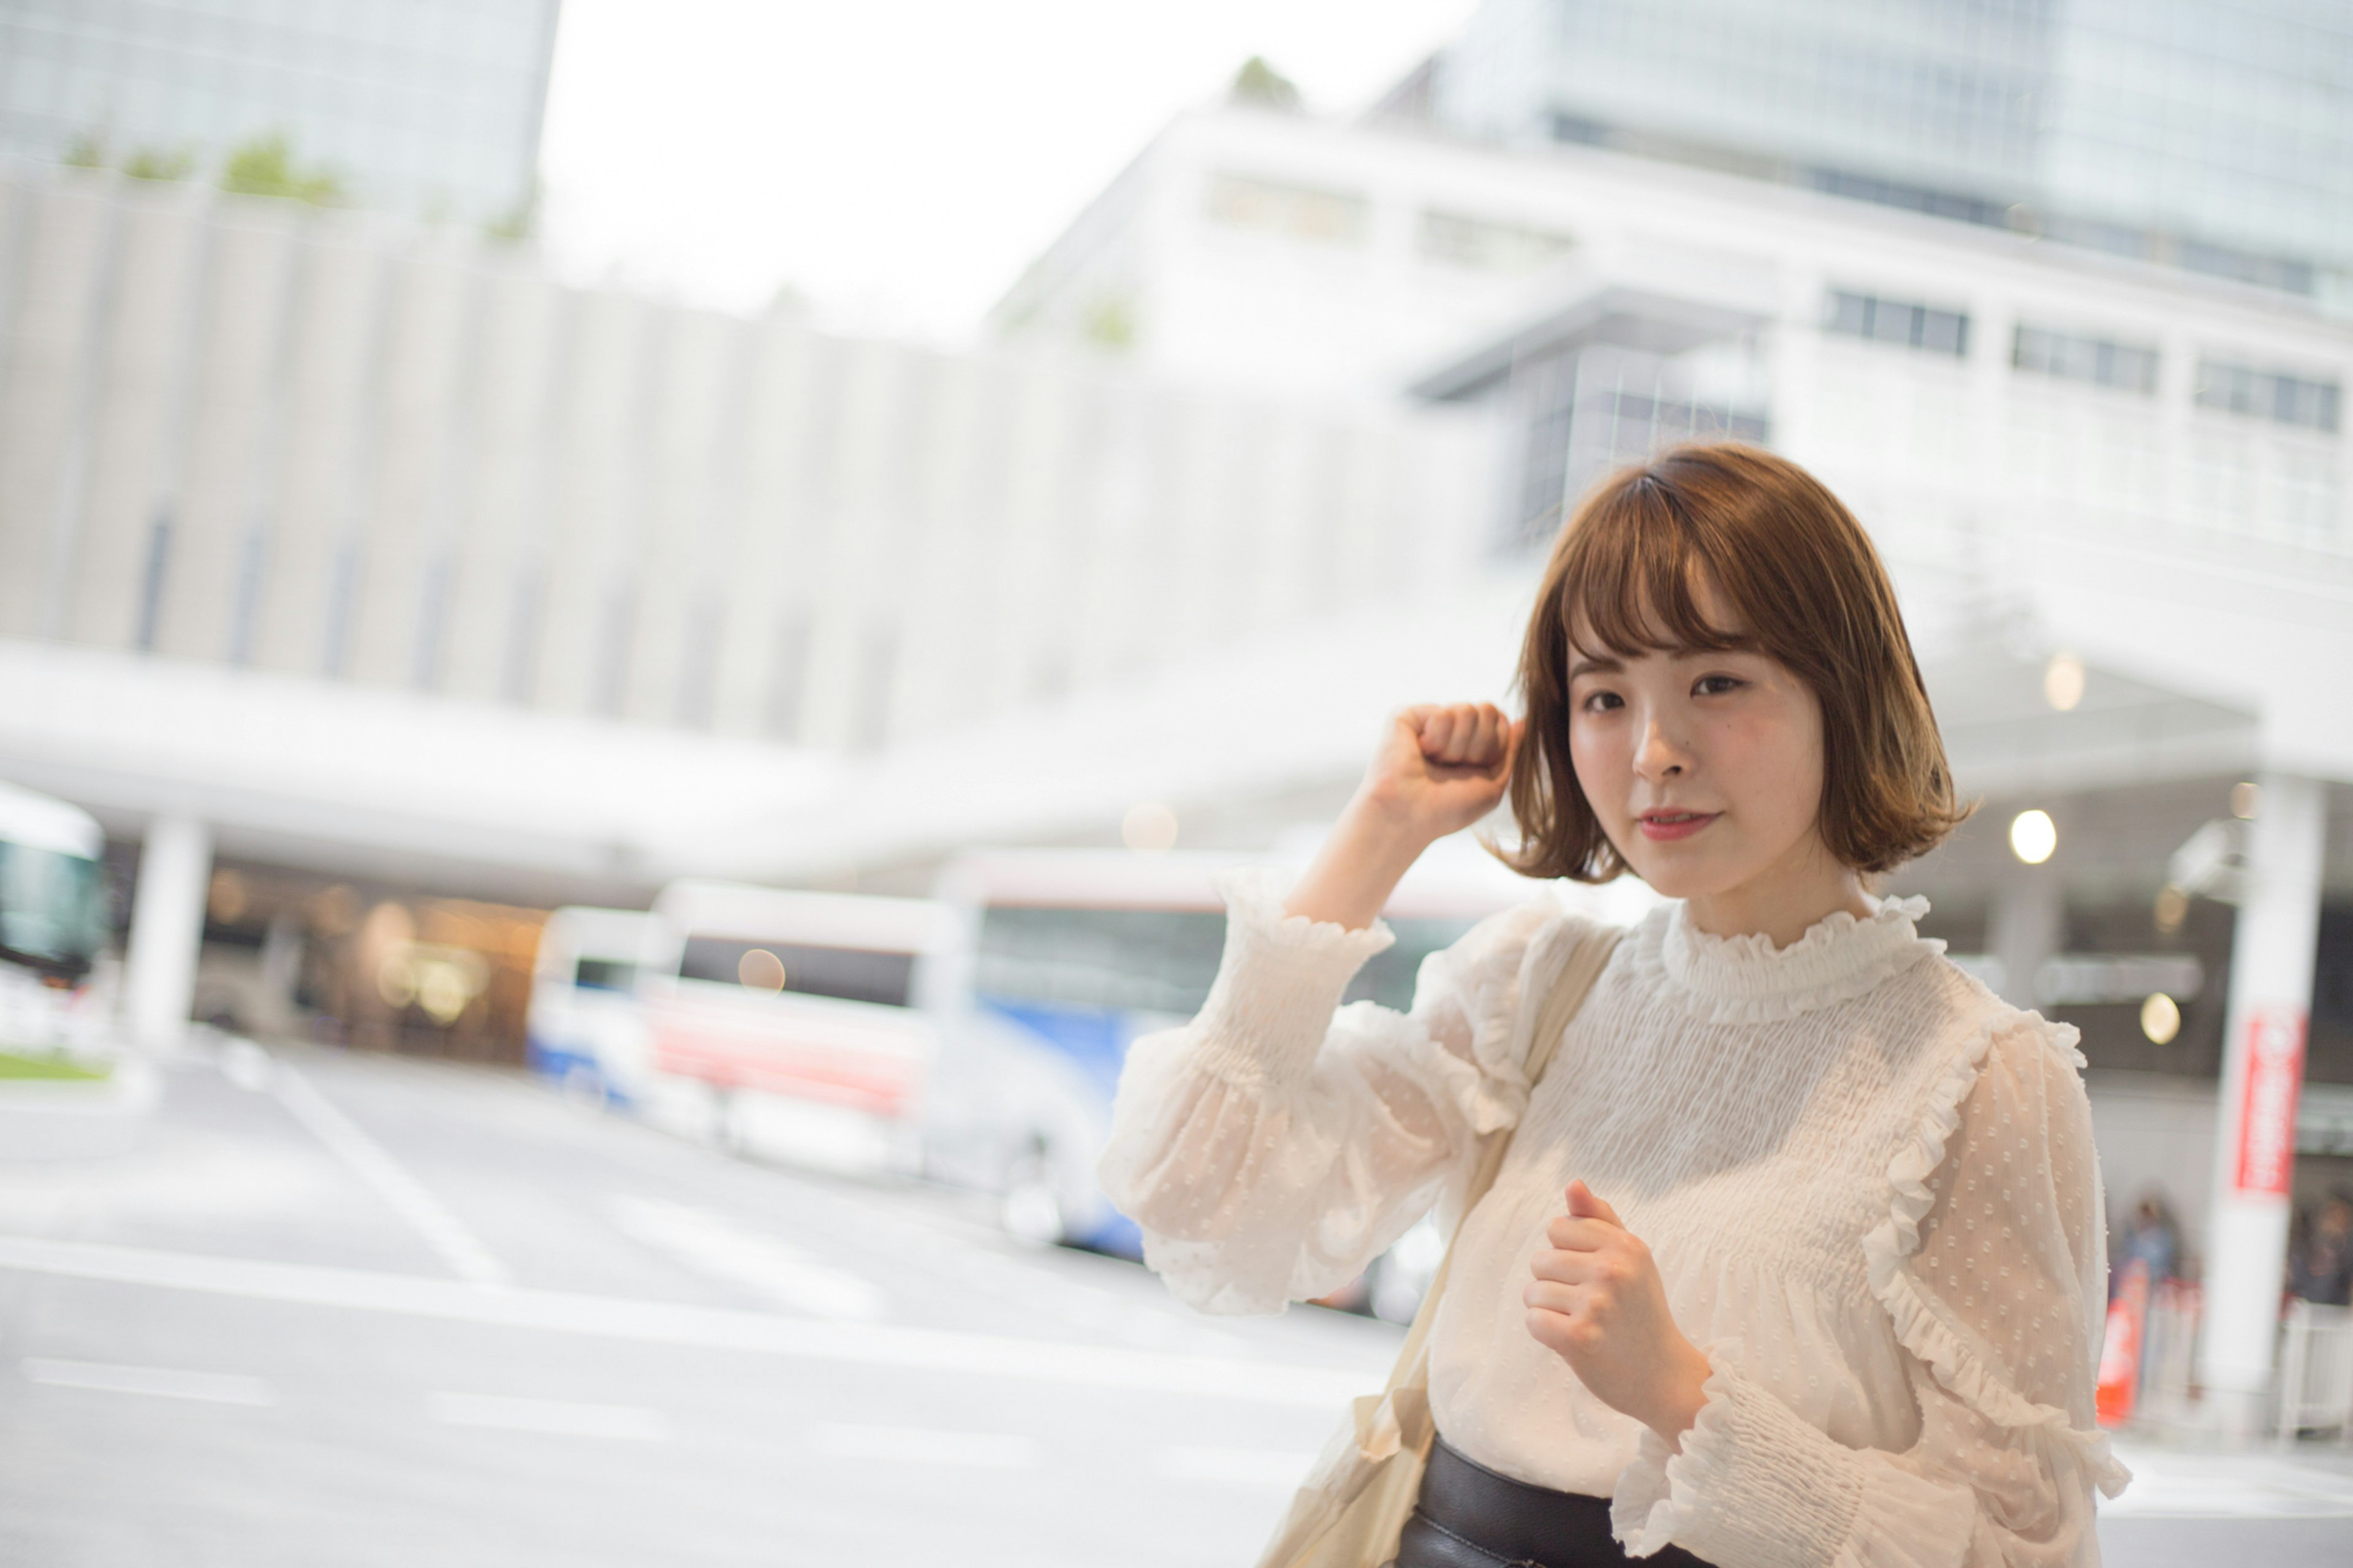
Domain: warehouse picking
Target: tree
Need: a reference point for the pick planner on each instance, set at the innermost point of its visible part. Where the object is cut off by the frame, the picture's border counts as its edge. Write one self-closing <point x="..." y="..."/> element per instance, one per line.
<point x="265" y="166"/>
<point x="159" y="163"/>
<point x="1259" y="86"/>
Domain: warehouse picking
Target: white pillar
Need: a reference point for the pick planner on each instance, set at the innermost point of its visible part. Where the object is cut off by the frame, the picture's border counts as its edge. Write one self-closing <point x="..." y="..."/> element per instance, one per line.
<point x="2028" y="925"/>
<point x="167" y="927"/>
<point x="2272" y="954"/>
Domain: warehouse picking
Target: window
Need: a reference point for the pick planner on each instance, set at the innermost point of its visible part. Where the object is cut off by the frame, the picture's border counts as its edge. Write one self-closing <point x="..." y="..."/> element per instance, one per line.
<point x="1154" y="960"/>
<point x="605" y="974"/>
<point x="850" y="974"/>
<point x="1297" y="212"/>
<point x="2093" y="360"/>
<point x="1897" y="321"/>
<point x="2290" y="400"/>
<point x="1494" y="246"/>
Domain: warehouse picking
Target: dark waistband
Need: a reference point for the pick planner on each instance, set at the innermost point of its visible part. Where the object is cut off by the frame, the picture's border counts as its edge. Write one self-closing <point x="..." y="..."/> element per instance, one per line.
<point x="1511" y="1521"/>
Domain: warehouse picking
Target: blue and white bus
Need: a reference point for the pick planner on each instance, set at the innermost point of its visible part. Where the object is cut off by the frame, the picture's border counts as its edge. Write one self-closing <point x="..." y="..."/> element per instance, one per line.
<point x="587" y="1029"/>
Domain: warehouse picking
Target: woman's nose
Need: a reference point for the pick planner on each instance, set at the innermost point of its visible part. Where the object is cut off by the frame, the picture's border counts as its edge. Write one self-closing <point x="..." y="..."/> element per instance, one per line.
<point x="1660" y="757"/>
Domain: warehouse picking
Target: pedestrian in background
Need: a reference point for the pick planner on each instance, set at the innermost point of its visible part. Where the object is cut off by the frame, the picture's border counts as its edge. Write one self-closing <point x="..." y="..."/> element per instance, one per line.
<point x="2320" y="1266"/>
<point x="1796" y="1255"/>
<point x="2152" y="1239"/>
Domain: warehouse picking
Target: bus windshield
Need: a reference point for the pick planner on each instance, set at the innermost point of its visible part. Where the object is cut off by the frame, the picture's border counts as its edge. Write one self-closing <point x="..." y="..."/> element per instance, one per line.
<point x="1154" y="961"/>
<point x="52" y="909"/>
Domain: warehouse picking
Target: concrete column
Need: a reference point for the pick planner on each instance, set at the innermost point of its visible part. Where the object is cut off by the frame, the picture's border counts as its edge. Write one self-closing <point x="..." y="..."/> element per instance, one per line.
<point x="2028" y="925"/>
<point x="2271" y="956"/>
<point x="167" y="927"/>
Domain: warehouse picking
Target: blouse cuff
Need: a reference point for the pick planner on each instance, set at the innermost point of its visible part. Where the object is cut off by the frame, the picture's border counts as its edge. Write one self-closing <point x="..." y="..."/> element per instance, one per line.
<point x="1282" y="977"/>
<point x="1756" y="1484"/>
<point x="1750" y="1484"/>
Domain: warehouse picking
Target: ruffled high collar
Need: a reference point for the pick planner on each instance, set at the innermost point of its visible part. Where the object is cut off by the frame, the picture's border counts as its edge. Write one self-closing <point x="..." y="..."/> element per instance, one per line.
<point x="1747" y="979"/>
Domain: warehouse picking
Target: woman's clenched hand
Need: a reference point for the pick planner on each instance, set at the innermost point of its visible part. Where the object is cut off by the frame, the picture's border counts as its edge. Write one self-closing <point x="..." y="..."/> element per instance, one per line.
<point x="1597" y="1301"/>
<point x="1438" y="769"/>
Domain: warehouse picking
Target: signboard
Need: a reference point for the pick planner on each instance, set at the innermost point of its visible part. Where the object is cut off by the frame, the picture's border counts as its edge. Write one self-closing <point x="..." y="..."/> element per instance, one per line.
<point x="2274" y="1073"/>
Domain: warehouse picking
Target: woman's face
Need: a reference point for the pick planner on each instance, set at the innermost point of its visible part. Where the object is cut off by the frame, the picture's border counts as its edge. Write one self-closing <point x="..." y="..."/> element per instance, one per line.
<point x="1704" y="769"/>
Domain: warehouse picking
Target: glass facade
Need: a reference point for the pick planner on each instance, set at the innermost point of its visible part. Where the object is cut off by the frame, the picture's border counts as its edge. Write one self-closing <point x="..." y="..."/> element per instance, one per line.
<point x="2214" y="136"/>
<point x="421" y="105"/>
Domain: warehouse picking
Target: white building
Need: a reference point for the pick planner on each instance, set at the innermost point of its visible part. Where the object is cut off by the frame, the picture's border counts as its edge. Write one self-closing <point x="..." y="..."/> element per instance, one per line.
<point x="2117" y="496"/>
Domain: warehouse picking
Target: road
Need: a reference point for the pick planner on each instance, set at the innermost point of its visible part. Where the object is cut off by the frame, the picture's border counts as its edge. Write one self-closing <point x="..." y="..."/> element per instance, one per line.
<point x="355" y="1310"/>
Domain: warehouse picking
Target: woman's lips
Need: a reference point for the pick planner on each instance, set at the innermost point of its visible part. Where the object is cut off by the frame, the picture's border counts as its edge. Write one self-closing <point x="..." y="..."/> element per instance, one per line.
<point x="1676" y="824"/>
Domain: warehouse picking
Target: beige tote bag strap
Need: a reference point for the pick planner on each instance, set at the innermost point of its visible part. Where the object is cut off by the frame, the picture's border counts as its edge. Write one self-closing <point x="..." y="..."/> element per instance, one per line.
<point x="1570" y="988"/>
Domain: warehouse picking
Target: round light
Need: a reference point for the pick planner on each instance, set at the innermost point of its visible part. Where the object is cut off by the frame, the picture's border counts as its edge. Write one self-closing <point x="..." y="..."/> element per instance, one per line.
<point x="2032" y="837"/>
<point x="2246" y="799"/>
<point x="2160" y="1019"/>
<point x="1149" y="827"/>
<point x="442" y="992"/>
<point x="2172" y="909"/>
<point x="2063" y="682"/>
<point x="761" y="970"/>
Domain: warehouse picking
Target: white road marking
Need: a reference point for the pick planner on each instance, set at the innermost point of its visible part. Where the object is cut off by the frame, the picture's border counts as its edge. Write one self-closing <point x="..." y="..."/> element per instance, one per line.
<point x="163" y="1382"/>
<point x="1278" y="1469"/>
<point x="710" y="1328"/>
<point x="925" y="1446"/>
<point x="786" y="1275"/>
<point x="554" y="1418"/>
<point x="2184" y="1484"/>
<point x="450" y="1236"/>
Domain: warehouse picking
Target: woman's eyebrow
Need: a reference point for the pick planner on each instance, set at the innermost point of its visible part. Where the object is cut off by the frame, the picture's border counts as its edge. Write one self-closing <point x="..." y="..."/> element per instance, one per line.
<point x="1595" y="664"/>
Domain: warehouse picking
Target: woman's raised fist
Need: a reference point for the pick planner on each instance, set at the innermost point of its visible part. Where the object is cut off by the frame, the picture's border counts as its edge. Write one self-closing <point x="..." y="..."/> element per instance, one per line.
<point x="1441" y="767"/>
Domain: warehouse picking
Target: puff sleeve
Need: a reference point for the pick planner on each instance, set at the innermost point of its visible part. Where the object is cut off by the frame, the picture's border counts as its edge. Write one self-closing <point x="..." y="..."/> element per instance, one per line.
<point x="1279" y="1141"/>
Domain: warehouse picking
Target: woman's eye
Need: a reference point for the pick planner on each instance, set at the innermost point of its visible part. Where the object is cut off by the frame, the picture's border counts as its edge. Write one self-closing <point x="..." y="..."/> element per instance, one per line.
<point x="1602" y="702"/>
<point x="1717" y="684"/>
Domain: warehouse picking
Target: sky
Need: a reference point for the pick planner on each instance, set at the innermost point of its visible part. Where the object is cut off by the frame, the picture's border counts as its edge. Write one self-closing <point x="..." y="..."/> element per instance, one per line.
<point x="897" y="162"/>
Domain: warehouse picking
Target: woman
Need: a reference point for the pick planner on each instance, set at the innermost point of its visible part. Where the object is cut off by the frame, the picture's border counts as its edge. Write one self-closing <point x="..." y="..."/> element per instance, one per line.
<point x="1795" y="1257"/>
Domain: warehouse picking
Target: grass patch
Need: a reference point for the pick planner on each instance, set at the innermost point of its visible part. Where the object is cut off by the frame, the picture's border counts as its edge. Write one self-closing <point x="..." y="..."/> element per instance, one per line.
<point x="55" y="1067"/>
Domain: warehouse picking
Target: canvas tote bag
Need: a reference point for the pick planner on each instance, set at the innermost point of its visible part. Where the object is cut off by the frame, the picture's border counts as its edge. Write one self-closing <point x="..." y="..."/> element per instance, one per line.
<point x="1355" y="1502"/>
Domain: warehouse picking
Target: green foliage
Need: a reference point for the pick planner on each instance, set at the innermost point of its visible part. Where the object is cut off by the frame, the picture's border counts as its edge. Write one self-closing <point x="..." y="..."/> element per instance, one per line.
<point x="1260" y="86"/>
<point x="519" y="222"/>
<point x="1109" y="322"/>
<point x="265" y="166"/>
<point x="87" y="150"/>
<point x="52" y="1068"/>
<point x="158" y="164"/>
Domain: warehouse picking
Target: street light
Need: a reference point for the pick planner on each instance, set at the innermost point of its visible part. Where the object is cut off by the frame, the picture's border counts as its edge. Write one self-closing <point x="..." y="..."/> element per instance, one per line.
<point x="2033" y="835"/>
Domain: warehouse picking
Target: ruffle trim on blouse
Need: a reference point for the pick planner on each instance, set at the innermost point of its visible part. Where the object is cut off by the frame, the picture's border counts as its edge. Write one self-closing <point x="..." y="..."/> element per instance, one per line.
<point x="1255" y="894"/>
<point x="1292" y="970"/>
<point x="1658" y="1495"/>
<point x="1499" y="1018"/>
<point x="1748" y="980"/>
<point x="1889" y="1247"/>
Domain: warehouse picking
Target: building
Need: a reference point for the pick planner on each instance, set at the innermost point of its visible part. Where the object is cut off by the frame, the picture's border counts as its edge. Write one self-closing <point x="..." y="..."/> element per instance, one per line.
<point x="2213" y="137"/>
<point x="424" y="106"/>
<point x="2116" y="495"/>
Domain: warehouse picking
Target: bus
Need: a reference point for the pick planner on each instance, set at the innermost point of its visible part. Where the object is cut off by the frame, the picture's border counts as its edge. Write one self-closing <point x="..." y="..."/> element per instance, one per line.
<point x="792" y="1024"/>
<point x="1065" y="957"/>
<point x="54" y="928"/>
<point x="585" y="1029"/>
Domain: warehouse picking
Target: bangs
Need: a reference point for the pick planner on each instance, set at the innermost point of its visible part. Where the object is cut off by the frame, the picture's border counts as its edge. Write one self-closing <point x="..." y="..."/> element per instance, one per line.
<point x="1628" y="580"/>
<point x="1787" y="571"/>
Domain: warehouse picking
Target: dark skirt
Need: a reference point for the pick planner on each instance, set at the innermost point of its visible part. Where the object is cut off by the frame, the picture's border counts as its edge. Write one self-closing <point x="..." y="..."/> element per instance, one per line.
<point x="1469" y="1517"/>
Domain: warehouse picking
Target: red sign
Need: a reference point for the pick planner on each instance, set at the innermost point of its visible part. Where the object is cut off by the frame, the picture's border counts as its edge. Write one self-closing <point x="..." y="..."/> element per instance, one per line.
<point x="2267" y="1109"/>
<point x="2120" y="1352"/>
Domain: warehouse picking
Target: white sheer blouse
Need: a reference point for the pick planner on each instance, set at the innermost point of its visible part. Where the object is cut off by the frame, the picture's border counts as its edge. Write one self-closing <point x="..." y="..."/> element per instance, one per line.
<point x="1868" y="1184"/>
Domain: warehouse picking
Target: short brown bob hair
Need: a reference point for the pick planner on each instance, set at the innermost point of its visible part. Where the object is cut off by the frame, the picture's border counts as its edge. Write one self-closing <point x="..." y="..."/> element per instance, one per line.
<point x="1791" y="561"/>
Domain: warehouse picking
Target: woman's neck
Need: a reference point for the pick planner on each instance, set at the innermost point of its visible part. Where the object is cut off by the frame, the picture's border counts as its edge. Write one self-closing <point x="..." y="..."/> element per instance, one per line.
<point x="1783" y="902"/>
